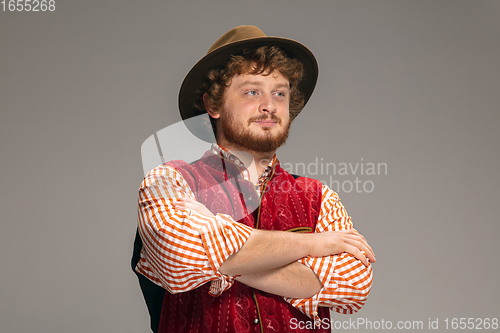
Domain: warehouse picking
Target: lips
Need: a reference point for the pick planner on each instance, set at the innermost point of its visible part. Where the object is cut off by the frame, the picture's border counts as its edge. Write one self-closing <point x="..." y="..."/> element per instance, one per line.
<point x="266" y="122"/>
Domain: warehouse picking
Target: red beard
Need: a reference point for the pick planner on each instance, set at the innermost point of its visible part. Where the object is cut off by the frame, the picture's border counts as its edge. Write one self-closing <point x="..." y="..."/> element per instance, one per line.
<point x="244" y="138"/>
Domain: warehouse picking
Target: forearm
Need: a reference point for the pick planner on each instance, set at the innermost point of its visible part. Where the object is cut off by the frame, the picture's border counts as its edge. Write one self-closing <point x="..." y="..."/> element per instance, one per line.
<point x="293" y="281"/>
<point x="265" y="250"/>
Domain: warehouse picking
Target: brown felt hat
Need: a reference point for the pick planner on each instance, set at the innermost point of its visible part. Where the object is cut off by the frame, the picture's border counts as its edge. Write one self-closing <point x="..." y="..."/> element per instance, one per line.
<point x="234" y="42"/>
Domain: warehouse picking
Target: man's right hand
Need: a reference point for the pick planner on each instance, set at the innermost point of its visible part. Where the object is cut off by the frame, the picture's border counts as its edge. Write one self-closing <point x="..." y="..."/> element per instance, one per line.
<point x="336" y="242"/>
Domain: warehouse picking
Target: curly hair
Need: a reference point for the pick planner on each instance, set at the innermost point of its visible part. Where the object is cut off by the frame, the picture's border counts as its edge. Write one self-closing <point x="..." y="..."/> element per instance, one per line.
<point x="264" y="59"/>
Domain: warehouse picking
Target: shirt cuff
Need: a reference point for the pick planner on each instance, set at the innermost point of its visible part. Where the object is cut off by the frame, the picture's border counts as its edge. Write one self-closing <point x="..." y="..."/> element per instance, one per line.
<point x="323" y="268"/>
<point x="222" y="237"/>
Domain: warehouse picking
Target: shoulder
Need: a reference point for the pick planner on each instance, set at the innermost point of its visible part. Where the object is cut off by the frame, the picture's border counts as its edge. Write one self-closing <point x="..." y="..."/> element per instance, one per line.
<point x="329" y="194"/>
<point x="164" y="173"/>
<point x="307" y="183"/>
<point x="300" y="180"/>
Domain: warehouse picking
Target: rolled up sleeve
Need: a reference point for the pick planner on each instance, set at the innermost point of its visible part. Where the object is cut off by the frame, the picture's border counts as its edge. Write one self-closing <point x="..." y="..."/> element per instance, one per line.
<point x="183" y="249"/>
<point x="346" y="281"/>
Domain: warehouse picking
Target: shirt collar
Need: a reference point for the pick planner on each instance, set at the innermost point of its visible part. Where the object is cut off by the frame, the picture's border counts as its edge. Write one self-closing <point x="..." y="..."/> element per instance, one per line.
<point x="227" y="154"/>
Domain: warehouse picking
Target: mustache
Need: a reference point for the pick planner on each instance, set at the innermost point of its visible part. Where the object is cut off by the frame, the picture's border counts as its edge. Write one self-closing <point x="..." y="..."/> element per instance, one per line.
<point x="263" y="117"/>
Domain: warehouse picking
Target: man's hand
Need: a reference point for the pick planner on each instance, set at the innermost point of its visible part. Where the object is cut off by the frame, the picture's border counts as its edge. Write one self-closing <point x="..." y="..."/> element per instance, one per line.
<point x="336" y="242"/>
<point x="185" y="203"/>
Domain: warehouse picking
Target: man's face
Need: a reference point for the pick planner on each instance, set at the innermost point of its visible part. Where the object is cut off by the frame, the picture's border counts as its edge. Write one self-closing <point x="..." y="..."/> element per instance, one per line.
<point x="255" y="112"/>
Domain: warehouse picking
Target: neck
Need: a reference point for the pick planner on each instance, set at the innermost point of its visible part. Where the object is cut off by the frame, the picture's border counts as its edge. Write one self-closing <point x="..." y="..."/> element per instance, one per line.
<point x="255" y="162"/>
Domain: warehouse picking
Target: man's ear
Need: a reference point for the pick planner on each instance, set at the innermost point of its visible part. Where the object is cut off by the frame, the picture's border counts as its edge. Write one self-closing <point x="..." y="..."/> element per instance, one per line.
<point x="210" y="107"/>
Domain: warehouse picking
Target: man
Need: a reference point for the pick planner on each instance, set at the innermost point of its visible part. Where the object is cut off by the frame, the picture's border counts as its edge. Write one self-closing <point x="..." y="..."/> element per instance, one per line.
<point x="240" y="244"/>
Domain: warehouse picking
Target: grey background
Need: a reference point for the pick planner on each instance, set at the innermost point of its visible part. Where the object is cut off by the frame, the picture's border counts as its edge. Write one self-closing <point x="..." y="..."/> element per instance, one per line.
<point x="414" y="84"/>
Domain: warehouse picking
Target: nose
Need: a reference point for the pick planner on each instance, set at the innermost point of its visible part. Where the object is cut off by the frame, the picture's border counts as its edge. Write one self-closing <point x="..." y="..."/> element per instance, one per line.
<point x="267" y="104"/>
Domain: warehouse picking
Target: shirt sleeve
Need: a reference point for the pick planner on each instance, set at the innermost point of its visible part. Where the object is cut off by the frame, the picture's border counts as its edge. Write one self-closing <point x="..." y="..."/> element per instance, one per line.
<point x="183" y="249"/>
<point x="346" y="280"/>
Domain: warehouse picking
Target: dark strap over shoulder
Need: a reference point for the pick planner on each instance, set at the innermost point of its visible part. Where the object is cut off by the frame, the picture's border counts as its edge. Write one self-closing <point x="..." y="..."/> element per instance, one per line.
<point x="153" y="294"/>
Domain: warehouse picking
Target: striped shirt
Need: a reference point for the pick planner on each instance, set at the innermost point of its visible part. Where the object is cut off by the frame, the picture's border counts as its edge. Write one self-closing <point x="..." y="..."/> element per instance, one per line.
<point x="184" y="249"/>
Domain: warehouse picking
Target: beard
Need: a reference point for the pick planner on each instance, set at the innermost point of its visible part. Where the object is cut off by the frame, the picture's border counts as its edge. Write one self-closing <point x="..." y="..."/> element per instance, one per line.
<point x="259" y="142"/>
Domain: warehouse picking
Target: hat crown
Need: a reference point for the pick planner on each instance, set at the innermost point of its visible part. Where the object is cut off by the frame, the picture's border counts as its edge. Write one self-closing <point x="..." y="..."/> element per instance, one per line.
<point x="237" y="34"/>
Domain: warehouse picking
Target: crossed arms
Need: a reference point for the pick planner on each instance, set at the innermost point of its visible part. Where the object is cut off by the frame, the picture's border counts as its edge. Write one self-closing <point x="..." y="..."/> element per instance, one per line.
<point x="185" y="247"/>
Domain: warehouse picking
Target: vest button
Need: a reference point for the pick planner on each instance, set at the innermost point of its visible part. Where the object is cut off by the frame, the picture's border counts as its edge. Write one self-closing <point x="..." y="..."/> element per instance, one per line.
<point x="256" y="321"/>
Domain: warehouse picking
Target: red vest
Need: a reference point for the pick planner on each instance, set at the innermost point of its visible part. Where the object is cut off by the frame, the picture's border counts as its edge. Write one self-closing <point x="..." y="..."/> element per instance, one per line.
<point x="286" y="204"/>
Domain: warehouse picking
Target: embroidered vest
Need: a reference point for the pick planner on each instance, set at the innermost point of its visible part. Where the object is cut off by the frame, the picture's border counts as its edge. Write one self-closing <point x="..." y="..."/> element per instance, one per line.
<point x="286" y="203"/>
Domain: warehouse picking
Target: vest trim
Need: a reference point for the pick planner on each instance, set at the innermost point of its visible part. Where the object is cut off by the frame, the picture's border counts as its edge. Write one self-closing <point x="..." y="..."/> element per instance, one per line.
<point x="258" y="310"/>
<point x="301" y="229"/>
<point x="262" y="195"/>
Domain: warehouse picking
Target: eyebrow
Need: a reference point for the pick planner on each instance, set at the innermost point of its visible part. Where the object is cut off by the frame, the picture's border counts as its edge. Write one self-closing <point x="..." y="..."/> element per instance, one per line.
<point x="258" y="83"/>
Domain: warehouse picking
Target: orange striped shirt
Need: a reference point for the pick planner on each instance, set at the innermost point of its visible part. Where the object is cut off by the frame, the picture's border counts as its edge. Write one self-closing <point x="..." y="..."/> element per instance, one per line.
<point x="183" y="249"/>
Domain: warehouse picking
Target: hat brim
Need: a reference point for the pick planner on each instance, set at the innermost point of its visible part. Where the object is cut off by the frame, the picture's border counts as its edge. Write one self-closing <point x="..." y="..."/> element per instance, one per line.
<point x="188" y="94"/>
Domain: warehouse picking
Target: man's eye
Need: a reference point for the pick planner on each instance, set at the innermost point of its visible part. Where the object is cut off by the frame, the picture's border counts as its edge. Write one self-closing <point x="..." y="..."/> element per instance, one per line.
<point x="252" y="92"/>
<point x="280" y="93"/>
